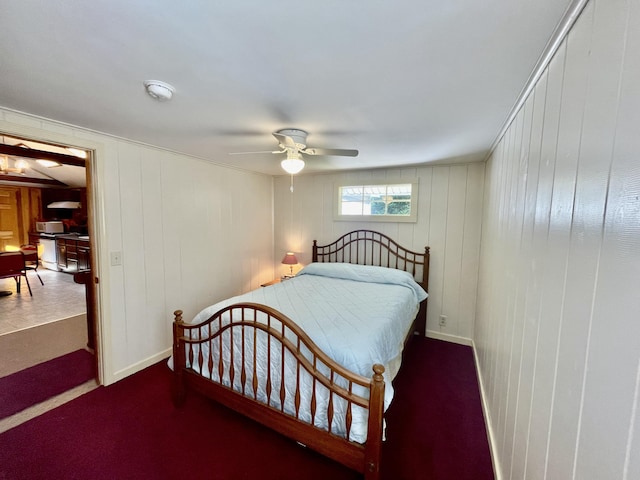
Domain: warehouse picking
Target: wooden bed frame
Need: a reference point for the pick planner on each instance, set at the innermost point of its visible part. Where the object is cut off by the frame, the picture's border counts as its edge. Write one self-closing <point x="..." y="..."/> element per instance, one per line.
<point x="362" y="247"/>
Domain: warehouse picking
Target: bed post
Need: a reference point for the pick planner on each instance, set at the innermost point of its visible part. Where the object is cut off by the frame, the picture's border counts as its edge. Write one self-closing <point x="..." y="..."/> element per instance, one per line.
<point x="425" y="272"/>
<point x="179" y="361"/>
<point x="314" y="254"/>
<point x="373" y="447"/>
<point x="421" y="323"/>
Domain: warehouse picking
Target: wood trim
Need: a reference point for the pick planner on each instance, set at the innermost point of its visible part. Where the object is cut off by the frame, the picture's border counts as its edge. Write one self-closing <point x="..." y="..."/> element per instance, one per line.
<point x="557" y="37"/>
<point x="43" y="154"/>
<point x="39" y="181"/>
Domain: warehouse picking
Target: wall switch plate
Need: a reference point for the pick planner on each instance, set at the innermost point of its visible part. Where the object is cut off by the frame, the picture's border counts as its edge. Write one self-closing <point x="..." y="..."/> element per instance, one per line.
<point x="116" y="259"/>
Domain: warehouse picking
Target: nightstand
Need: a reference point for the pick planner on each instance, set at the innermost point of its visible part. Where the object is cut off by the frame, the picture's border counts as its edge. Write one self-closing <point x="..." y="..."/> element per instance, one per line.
<point x="272" y="282"/>
<point x="277" y="280"/>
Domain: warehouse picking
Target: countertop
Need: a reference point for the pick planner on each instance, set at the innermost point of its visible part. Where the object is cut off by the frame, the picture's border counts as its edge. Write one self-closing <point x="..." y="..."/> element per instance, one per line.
<point x="63" y="236"/>
<point x="73" y="236"/>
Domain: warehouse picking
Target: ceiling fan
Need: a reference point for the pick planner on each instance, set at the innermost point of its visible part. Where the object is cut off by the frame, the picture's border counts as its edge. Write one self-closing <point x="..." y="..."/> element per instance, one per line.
<point x="293" y="142"/>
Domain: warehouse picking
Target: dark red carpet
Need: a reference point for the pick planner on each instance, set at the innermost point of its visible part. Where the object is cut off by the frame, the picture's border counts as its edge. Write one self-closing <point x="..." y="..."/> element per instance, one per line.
<point x="43" y="381"/>
<point x="131" y="430"/>
<point x="435" y="425"/>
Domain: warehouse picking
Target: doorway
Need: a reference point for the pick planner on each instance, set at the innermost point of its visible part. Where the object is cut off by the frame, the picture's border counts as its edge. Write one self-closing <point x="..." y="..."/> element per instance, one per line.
<point x="37" y="176"/>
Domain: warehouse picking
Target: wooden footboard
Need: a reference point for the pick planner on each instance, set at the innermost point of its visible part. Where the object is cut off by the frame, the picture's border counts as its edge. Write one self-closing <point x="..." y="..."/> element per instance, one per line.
<point x="302" y="393"/>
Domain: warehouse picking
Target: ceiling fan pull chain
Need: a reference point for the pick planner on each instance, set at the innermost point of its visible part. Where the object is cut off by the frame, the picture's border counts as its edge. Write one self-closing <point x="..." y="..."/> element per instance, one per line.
<point x="291" y="187"/>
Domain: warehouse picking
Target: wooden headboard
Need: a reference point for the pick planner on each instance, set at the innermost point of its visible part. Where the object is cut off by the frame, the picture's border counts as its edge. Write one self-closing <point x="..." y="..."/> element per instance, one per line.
<point x="366" y="247"/>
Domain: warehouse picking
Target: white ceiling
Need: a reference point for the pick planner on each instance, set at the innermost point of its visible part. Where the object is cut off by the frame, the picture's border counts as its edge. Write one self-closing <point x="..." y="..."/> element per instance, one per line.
<point x="404" y="81"/>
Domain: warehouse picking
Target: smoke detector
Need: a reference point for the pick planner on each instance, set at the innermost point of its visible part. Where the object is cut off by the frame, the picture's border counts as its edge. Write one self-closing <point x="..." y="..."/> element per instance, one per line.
<point x="158" y="90"/>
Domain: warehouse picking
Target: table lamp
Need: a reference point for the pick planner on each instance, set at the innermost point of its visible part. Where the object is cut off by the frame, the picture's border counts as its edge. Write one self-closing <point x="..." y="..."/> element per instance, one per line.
<point x="291" y="260"/>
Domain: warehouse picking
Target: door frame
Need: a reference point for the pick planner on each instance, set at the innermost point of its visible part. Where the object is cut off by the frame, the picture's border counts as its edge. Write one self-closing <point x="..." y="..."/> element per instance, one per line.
<point x="96" y="224"/>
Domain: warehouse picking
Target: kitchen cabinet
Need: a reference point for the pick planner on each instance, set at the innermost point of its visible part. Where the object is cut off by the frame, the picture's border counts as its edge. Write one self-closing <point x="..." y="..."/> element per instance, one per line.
<point x="84" y="256"/>
<point x="74" y="254"/>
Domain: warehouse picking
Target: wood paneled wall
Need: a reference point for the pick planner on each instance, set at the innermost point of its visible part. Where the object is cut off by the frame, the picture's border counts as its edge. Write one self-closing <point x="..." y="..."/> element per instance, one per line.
<point x="557" y="333"/>
<point x="449" y="215"/>
<point x="189" y="233"/>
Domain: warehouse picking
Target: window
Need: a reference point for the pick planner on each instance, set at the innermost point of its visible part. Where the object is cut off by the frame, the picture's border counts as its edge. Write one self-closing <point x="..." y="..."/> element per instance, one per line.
<point x="395" y="202"/>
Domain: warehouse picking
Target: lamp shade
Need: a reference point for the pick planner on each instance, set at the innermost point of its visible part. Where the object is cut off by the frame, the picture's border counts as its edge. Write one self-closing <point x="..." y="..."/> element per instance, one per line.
<point x="290" y="259"/>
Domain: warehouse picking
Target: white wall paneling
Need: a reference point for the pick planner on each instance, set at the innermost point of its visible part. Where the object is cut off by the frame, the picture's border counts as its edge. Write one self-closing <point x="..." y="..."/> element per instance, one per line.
<point x="190" y="233"/>
<point x="449" y="216"/>
<point x="556" y="334"/>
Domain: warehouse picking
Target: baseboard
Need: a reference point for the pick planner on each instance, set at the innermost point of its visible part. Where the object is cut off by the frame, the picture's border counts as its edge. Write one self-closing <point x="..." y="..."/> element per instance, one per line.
<point x="136" y="367"/>
<point x="487" y="417"/>
<point x="449" y="338"/>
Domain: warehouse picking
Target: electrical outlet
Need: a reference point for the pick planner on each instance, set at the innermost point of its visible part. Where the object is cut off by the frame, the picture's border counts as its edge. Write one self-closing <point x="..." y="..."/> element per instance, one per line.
<point x="443" y="320"/>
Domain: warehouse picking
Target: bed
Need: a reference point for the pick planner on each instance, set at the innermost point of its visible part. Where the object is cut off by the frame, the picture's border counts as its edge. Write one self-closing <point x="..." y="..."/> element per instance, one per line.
<point x="313" y="357"/>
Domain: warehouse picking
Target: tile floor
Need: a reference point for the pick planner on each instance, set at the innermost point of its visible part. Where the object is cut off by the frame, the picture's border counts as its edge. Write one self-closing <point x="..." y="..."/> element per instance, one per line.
<point x="60" y="297"/>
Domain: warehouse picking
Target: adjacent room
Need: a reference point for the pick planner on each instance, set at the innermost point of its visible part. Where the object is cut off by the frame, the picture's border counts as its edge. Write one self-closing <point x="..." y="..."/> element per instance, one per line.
<point x="491" y="147"/>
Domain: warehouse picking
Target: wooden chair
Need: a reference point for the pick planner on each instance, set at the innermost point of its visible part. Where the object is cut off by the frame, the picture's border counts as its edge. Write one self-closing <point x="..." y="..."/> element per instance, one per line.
<point x="12" y="265"/>
<point x="31" y="259"/>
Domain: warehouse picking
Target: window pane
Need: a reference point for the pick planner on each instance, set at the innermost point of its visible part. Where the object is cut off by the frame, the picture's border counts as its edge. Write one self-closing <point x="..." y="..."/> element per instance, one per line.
<point x="377" y="201"/>
<point x="371" y="200"/>
<point x="351" y="200"/>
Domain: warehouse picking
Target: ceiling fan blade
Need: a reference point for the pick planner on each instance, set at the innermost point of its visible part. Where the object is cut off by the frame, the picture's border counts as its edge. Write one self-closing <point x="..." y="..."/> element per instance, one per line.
<point x="331" y="151"/>
<point x="263" y="151"/>
<point x="285" y="140"/>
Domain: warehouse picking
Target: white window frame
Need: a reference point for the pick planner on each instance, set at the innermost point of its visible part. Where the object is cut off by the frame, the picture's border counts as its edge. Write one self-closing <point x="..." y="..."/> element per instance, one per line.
<point x="411" y="218"/>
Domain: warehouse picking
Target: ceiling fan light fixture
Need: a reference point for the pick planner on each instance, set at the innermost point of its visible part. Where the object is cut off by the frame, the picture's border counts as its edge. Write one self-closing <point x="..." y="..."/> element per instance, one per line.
<point x="158" y="90"/>
<point x="292" y="165"/>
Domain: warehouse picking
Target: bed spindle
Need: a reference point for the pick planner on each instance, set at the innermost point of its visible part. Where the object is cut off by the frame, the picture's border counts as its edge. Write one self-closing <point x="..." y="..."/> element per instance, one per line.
<point x="243" y="371"/>
<point x="190" y="354"/>
<point x="282" y="390"/>
<point x="210" y="359"/>
<point x="255" y="343"/>
<point x="313" y="393"/>
<point x="200" y="355"/>
<point x="297" y="394"/>
<point x="268" y="386"/>
<point x="330" y="406"/>
<point x="349" y="415"/>
<point x="220" y="364"/>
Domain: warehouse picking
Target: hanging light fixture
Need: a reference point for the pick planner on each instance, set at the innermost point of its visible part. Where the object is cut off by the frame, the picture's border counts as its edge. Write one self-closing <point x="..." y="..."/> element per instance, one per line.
<point x="293" y="163"/>
<point x="19" y="166"/>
